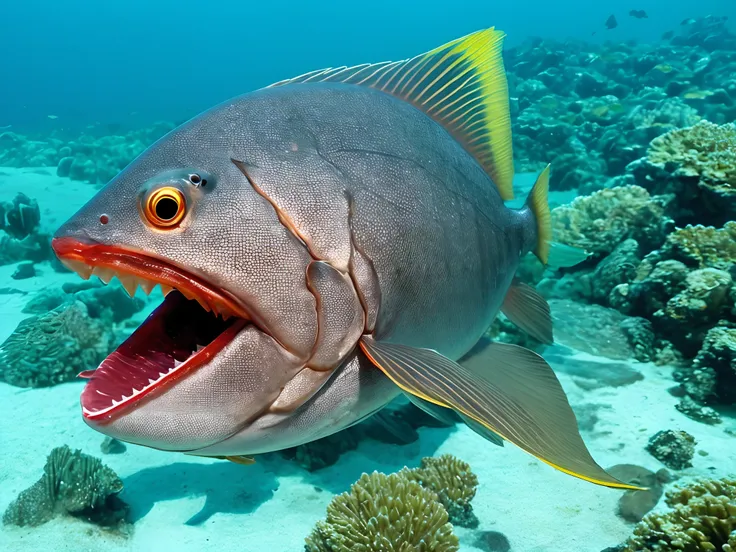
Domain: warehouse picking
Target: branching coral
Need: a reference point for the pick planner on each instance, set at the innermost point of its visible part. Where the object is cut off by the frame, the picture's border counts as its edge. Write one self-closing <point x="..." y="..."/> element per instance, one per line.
<point x="387" y="513"/>
<point x="602" y="220"/>
<point x="702" y="519"/>
<point x="453" y="482"/>
<point x="73" y="483"/>
<point x="54" y="347"/>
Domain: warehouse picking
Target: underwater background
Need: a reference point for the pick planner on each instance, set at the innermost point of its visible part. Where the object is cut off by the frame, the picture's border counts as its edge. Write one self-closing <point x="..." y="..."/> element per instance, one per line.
<point x="632" y="103"/>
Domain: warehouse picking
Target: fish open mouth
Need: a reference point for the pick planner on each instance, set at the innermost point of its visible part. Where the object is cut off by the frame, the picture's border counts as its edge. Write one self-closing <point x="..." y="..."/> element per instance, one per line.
<point x="193" y="324"/>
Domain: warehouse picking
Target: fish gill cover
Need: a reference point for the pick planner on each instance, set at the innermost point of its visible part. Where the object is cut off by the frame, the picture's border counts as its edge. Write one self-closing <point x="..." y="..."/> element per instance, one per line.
<point x="642" y="146"/>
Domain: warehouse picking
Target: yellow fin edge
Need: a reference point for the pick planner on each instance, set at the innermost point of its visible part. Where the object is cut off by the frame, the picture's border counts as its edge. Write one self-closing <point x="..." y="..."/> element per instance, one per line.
<point x="555" y="466"/>
<point x="538" y="202"/>
<point x="490" y="140"/>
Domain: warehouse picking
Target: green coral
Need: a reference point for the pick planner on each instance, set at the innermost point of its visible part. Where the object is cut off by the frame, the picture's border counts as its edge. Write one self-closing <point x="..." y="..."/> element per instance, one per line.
<point x="703" y="246"/>
<point x="54" y="347"/>
<point x="702" y="519"/>
<point x="384" y="513"/>
<point x="706" y="151"/>
<point x="604" y="219"/>
<point x="453" y="482"/>
<point x="73" y="483"/>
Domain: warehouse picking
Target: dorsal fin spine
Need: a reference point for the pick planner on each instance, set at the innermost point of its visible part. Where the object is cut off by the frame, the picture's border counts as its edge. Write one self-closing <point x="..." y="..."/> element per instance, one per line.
<point x="461" y="85"/>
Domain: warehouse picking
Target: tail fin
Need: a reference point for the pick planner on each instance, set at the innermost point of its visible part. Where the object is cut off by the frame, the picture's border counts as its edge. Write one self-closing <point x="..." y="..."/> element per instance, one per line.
<point x="537" y="203"/>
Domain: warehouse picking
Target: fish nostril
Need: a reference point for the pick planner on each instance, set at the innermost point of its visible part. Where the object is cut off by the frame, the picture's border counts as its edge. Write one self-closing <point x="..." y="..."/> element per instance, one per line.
<point x="104" y="219"/>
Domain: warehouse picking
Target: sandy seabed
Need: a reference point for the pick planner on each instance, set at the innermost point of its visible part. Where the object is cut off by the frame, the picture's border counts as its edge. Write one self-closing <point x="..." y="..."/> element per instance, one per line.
<point x="185" y="503"/>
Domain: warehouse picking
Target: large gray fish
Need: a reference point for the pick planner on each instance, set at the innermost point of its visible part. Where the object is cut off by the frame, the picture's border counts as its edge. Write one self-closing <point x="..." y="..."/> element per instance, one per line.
<point x="325" y="244"/>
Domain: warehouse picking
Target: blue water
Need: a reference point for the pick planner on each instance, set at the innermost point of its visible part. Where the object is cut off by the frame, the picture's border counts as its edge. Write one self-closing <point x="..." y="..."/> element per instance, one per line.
<point x="135" y="61"/>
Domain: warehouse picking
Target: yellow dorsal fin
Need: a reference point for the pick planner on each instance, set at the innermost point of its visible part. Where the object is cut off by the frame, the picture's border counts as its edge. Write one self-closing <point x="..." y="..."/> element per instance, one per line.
<point x="461" y="85"/>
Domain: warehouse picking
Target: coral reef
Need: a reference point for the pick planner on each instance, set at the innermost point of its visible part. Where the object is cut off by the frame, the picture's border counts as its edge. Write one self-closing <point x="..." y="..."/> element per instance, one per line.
<point x="453" y="482"/>
<point x="624" y="95"/>
<point x="675" y="449"/>
<point x="702" y="518"/>
<point x="54" y="347"/>
<point x="384" y="512"/>
<point x="20" y="237"/>
<point x="73" y="484"/>
<point x="711" y="379"/>
<point x="93" y="157"/>
<point x="601" y="221"/>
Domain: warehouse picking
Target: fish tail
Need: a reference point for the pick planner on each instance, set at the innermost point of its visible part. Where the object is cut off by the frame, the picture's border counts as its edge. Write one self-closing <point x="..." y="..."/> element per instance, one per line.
<point x="537" y="203"/>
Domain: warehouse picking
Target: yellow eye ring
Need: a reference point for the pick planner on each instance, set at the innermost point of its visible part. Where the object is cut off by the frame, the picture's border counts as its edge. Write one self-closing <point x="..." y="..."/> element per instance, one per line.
<point x="165" y="207"/>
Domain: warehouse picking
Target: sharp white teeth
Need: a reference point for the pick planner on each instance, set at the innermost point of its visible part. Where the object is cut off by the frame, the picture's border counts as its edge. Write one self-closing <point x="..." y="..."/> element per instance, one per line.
<point x="151" y="381"/>
<point x="115" y="403"/>
<point x="166" y="289"/>
<point x="130" y="283"/>
<point x="161" y="374"/>
<point x="199" y="348"/>
<point x="147" y="286"/>
<point x="177" y="363"/>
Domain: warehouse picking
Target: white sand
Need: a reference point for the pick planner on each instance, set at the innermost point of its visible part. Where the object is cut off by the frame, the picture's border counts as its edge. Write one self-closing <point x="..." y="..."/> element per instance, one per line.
<point x="185" y="503"/>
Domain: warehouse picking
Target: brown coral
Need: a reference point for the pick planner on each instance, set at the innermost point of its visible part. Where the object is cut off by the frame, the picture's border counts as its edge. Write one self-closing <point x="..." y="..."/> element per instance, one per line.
<point x="704" y="246"/>
<point x="453" y="482"/>
<point x="387" y="513"/>
<point x="604" y="219"/>
<point x="702" y="519"/>
<point x="705" y="150"/>
<point x="54" y="347"/>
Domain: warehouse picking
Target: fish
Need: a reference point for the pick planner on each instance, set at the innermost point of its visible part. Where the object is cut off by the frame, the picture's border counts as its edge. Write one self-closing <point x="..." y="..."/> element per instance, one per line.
<point x="697" y="94"/>
<point x="668" y="35"/>
<point x="611" y="22"/>
<point x="638" y="14"/>
<point x="688" y="21"/>
<point x="52" y="117"/>
<point x="663" y="67"/>
<point x="323" y="245"/>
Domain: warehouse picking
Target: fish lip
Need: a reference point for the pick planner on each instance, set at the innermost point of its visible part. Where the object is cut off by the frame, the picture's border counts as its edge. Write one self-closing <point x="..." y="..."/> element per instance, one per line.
<point x="84" y="257"/>
<point x="76" y="254"/>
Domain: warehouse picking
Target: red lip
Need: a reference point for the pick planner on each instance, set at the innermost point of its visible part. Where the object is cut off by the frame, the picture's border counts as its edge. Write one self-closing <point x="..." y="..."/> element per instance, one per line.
<point x="177" y="338"/>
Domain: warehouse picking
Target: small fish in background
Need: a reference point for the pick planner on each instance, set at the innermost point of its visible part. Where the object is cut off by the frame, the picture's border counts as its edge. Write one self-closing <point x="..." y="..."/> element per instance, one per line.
<point x="663" y="68"/>
<point x="52" y="117"/>
<point x="638" y="14"/>
<point x="668" y="35"/>
<point x="688" y="21"/>
<point x="6" y="127"/>
<point x="611" y="22"/>
<point x="697" y="94"/>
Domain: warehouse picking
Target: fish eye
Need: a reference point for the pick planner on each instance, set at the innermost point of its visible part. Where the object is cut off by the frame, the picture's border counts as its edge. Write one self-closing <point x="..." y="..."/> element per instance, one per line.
<point x="165" y="207"/>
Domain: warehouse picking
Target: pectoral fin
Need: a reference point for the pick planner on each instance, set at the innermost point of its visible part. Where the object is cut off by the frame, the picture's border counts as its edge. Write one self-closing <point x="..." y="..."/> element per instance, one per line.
<point x="242" y="460"/>
<point x="508" y="389"/>
<point x="526" y="308"/>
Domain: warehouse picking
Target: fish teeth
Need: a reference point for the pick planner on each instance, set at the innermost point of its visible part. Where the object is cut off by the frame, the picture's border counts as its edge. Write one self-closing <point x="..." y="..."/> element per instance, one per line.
<point x="84" y="270"/>
<point x="199" y="348"/>
<point x="130" y="283"/>
<point x="147" y="286"/>
<point x="104" y="274"/>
